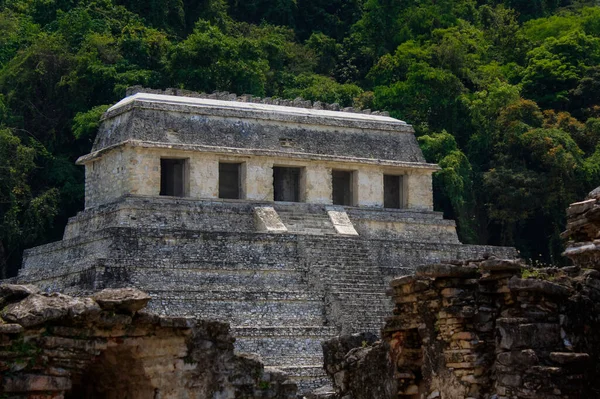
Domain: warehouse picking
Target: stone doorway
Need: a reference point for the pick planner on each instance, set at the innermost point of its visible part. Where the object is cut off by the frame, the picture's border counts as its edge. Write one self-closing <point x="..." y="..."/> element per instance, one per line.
<point x="393" y="191"/>
<point x="230" y="186"/>
<point x="286" y="184"/>
<point x="116" y="374"/>
<point x="173" y="177"/>
<point x="342" y="187"/>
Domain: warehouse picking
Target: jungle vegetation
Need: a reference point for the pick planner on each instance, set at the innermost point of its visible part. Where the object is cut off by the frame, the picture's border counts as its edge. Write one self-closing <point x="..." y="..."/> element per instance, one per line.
<point x="504" y="94"/>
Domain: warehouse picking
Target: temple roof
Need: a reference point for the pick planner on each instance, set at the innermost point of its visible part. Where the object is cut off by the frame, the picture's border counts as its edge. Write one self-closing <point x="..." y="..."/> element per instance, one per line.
<point x="250" y="126"/>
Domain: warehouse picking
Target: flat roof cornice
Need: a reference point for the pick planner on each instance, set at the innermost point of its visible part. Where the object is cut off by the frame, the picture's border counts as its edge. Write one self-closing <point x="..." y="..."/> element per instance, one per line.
<point x="257" y="111"/>
<point x="255" y="152"/>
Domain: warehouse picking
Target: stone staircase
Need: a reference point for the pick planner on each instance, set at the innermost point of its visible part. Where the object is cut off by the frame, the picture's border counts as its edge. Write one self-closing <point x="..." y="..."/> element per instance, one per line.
<point x="300" y="221"/>
<point x="283" y="294"/>
<point x="260" y="287"/>
<point x="352" y="282"/>
<point x="295" y="350"/>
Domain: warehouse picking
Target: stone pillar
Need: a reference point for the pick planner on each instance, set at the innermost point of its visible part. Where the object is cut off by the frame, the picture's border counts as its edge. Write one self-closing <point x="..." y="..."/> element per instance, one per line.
<point x="419" y="191"/>
<point x="318" y="184"/>
<point x="144" y="172"/>
<point x="259" y="180"/>
<point x="204" y="176"/>
<point x="369" y="186"/>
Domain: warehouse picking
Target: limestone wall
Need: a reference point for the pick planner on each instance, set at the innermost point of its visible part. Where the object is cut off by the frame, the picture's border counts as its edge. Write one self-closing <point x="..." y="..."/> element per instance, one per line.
<point x="136" y="170"/>
<point x="583" y="231"/>
<point x="108" y="177"/>
<point x="495" y="328"/>
<point x="56" y="347"/>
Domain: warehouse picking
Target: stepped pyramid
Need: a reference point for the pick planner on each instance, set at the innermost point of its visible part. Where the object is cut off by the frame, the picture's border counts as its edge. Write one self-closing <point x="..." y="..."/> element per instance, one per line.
<point x="287" y="221"/>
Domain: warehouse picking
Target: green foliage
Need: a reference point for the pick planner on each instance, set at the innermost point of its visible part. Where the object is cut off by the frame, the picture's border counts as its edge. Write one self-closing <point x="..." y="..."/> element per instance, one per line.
<point x="327" y="51"/>
<point x="557" y="66"/>
<point x="428" y="96"/>
<point x="503" y="94"/>
<point x="319" y="88"/>
<point x="454" y="183"/>
<point x="24" y="214"/>
<point x="241" y="60"/>
<point x="85" y="124"/>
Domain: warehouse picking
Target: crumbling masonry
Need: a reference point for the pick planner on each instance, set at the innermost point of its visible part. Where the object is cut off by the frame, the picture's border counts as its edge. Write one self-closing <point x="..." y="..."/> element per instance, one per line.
<point x="486" y="329"/>
<point x="53" y="346"/>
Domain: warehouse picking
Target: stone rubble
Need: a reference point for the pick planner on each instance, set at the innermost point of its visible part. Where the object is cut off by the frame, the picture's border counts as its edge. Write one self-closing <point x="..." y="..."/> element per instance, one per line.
<point x="495" y="329"/>
<point x="583" y="231"/>
<point x="53" y="346"/>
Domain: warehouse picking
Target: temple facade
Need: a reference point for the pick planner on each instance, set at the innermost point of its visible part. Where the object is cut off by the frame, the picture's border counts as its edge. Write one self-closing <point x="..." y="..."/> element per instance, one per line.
<point x="286" y="219"/>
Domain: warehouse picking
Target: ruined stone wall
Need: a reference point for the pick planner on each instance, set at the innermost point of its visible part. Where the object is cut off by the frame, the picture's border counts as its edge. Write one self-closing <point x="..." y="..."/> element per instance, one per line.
<point x="56" y="346"/>
<point x="481" y="329"/>
<point x="583" y="231"/>
<point x="478" y="329"/>
<point x="490" y="329"/>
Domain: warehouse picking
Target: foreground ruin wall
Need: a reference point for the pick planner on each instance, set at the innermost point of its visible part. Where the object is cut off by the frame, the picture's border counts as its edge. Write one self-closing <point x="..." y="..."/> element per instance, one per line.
<point x="487" y="329"/>
<point x="57" y="346"/>
<point x="484" y="329"/>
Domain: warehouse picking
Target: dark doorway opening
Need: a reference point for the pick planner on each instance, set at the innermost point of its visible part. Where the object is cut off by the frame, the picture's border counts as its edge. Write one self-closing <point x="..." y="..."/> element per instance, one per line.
<point x="173" y="176"/>
<point x="286" y="184"/>
<point x="230" y="180"/>
<point x="342" y="187"/>
<point x="393" y="192"/>
<point x="117" y="373"/>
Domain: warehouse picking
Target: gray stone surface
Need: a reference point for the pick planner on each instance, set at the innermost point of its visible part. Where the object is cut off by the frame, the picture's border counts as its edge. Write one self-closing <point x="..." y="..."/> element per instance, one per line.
<point x="214" y="123"/>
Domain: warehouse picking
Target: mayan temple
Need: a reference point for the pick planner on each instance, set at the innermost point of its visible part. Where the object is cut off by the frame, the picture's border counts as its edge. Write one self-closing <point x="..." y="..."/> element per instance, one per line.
<point x="286" y="219"/>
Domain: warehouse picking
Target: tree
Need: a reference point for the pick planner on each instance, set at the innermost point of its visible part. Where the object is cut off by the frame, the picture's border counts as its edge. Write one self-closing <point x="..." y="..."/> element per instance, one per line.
<point x="320" y="88"/>
<point x="453" y="185"/>
<point x="428" y="96"/>
<point x="557" y="66"/>
<point x="24" y="215"/>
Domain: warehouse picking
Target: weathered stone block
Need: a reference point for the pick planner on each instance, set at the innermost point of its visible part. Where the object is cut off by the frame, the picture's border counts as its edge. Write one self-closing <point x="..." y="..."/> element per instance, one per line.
<point x="128" y="300"/>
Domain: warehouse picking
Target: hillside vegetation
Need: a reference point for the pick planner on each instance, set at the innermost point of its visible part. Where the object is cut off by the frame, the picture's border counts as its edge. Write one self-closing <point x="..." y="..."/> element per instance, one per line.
<point x="504" y="95"/>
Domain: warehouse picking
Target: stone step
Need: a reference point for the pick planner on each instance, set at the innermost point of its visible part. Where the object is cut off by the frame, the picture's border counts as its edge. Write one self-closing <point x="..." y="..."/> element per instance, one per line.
<point x="365" y="279"/>
<point x="373" y="308"/>
<point x="278" y="264"/>
<point x="235" y="294"/>
<point x="350" y="291"/>
<point x="308" y="378"/>
<point x="244" y="313"/>
<point x="355" y="287"/>
<point x="282" y="349"/>
<point x="307" y="223"/>
<point x="285" y="331"/>
<point x="190" y="278"/>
